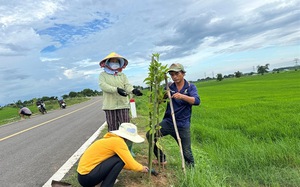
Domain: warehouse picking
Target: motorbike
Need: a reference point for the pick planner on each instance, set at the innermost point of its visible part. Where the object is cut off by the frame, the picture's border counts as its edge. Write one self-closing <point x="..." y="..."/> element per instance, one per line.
<point x="42" y="107"/>
<point x="62" y="104"/>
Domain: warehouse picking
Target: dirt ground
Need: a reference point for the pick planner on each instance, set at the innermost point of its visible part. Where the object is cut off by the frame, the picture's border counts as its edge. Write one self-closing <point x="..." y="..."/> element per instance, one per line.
<point x="138" y="179"/>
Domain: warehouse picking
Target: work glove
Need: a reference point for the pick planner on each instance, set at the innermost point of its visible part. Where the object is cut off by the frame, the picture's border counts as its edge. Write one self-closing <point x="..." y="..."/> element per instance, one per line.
<point x="137" y="92"/>
<point x="122" y="92"/>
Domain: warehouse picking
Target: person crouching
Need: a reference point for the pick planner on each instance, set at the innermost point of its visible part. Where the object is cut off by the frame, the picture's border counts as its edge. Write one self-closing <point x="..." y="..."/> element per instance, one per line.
<point x="104" y="159"/>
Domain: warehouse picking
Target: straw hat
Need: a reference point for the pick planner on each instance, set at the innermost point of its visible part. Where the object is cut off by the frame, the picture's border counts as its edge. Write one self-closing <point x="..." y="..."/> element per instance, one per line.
<point x="129" y="132"/>
<point x="122" y="60"/>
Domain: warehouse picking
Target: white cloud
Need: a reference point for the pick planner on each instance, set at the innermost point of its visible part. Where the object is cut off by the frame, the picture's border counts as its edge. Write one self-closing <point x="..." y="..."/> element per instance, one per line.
<point x="44" y="59"/>
<point x="58" y="42"/>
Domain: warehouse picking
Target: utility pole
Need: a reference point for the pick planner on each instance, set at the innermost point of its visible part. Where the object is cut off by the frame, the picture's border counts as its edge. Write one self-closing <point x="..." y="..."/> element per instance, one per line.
<point x="296" y="61"/>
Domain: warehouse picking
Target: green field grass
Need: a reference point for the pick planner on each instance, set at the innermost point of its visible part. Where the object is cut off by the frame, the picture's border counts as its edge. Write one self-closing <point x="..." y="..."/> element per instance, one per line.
<point x="249" y="129"/>
<point x="245" y="133"/>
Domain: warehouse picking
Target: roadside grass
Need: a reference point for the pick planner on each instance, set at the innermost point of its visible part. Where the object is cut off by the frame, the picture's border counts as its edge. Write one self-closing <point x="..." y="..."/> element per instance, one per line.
<point x="11" y="114"/>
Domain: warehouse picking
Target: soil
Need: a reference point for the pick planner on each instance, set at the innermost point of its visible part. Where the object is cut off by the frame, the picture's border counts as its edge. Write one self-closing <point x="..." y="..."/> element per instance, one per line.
<point x="138" y="179"/>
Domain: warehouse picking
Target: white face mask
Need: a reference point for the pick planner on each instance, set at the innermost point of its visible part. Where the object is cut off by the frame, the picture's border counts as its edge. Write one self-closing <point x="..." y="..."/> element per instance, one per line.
<point x="114" y="65"/>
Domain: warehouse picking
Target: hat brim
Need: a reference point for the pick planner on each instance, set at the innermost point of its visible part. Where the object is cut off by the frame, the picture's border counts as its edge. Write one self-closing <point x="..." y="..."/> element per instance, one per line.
<point x="113" y="55"/>
<point x="176" y="70"/>
<point x="135" y="139"/>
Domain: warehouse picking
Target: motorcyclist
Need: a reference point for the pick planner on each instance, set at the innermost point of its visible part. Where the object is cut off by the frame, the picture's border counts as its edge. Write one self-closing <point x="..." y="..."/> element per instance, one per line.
<point x="62" y="103"/>
<point x="41" y="105"/>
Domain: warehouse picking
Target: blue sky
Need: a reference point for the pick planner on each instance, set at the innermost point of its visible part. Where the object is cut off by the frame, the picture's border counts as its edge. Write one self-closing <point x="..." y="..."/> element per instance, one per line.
<point x="49" y="48"/>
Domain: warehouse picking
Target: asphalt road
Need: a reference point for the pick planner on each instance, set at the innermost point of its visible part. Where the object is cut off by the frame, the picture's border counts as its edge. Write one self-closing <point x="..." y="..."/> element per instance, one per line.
<point x="32" y="150"/>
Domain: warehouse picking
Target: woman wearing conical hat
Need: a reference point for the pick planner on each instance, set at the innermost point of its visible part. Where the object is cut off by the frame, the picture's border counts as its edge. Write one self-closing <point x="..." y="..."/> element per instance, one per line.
<point x="115" y="87"/>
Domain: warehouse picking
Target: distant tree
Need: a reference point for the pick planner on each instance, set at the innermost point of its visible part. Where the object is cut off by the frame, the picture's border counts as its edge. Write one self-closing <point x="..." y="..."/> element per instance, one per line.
<point x="45" y="98"/>
<point x="53" y="98"/>
<point x="275" y="70"/>
<point x="263" y="69"/>
<point x="19" y="103"/>
<point x="73" y="94"/>
<point x="138" y="87"/>
<point x="27" y="103"/>
<point x="87" y="92"/>
<point x="230" y="75"/>
<point x="219" y="77"/>
<point x="65" y="96"/>
<point x="97" y="92"/>
<point x="238" y="74"/>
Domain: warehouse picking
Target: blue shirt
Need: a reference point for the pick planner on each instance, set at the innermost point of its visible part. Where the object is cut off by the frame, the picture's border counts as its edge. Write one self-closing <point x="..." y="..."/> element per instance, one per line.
<point x="182" y="109"/>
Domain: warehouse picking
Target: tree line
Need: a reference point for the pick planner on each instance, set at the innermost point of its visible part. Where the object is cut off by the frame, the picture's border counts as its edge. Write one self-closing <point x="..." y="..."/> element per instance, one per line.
<point x="84" y="93"/>
<point x="260" y="70"/>
<point x="89" y="92"/>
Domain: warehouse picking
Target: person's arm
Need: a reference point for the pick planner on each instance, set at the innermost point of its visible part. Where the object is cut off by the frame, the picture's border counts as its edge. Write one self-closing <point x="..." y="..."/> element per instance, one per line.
<point x="104" y="86"/>
<point x="189" y="99"/>
<point x="193" y="97"/>
<point x="127" y="86"/>
<point x="130" y="163"/>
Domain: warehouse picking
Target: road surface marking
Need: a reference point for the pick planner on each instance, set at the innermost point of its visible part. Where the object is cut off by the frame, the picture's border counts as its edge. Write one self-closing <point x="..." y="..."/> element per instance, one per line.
<point x="20" y="132"/>
<point x="64" y="169"/>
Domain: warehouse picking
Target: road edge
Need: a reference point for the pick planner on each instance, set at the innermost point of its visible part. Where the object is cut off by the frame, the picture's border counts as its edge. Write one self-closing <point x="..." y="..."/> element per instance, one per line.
<point x="65" y="168"/>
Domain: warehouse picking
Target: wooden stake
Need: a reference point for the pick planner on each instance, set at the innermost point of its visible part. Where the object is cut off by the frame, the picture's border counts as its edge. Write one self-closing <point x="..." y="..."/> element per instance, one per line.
<point x="174" y="123"/>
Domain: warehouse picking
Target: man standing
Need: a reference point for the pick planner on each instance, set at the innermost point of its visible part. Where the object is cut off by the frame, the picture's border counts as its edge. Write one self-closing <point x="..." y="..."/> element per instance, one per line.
<point x="184" y="95"/>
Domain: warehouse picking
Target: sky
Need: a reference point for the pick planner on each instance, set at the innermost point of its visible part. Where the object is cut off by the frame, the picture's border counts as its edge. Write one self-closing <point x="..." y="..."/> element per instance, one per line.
<point x="52" y="47"/>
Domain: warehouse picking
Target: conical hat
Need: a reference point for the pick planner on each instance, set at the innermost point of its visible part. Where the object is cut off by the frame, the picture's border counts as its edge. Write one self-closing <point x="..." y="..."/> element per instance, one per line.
<point x="113" y="55"/>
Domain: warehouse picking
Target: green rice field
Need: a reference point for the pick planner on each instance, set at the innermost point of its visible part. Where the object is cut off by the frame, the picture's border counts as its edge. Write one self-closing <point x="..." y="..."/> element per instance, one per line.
<point x="247" y="132"/>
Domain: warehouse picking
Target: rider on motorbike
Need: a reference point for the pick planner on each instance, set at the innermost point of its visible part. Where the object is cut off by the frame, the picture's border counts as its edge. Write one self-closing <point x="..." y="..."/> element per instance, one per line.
<point x="62" y="103"/>
<point x="41" y="105"/>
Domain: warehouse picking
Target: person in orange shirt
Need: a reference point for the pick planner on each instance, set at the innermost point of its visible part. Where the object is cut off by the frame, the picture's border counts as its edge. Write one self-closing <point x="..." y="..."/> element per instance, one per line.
<point x="104" y="159"/>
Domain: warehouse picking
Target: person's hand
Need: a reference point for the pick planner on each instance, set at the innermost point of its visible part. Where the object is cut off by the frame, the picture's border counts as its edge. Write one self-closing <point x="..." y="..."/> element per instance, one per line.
<point x="145" y="169"/>
<point x="122" y="92"/>
<point x="137" y="92"/>
<point x="177" y="96"/>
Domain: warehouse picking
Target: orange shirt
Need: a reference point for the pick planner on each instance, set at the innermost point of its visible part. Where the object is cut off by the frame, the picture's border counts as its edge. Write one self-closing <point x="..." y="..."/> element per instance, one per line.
<point x="103" y="149"/>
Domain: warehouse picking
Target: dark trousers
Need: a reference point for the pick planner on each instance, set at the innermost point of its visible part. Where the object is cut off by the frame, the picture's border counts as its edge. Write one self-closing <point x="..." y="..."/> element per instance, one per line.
<point x="184" y="133"/>
<point x="114" y="118"/>
<point x="106" y="172"/>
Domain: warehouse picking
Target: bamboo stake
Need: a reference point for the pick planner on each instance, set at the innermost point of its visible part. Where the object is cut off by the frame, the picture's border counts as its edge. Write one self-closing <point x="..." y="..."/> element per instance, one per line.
<point x="175" y="124"/>
<point x="152" y="127"/>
